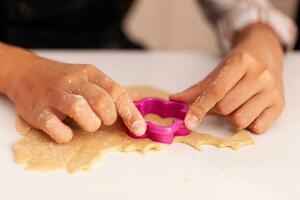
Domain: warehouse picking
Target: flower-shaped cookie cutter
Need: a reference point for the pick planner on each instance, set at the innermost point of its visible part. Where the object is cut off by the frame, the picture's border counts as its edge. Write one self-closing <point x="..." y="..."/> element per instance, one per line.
<point x="163" y="108"/>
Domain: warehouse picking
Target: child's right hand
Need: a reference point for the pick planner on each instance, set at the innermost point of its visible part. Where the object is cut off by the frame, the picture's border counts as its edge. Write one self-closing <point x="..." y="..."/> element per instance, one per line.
<point x="46" y="91"/>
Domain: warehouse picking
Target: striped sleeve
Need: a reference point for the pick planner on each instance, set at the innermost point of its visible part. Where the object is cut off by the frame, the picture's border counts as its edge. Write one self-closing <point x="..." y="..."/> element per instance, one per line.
<point x="230" y="16"/>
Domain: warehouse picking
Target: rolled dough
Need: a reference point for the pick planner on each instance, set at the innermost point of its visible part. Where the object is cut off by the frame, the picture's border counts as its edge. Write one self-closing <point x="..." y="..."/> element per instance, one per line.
<point x="38" y="152"/>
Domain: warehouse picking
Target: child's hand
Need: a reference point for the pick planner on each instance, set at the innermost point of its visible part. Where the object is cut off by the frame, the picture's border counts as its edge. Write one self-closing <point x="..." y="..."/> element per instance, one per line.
<point x="45" y="92"/>
<point x="246" y="87"/>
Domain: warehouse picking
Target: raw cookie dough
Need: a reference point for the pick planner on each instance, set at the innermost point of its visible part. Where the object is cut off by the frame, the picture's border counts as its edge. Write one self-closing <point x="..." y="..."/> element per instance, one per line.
<point x="38" y="152"/>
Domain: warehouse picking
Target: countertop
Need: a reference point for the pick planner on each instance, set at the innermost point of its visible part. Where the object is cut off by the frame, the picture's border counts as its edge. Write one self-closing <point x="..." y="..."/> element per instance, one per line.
<point x="268" y="170"/>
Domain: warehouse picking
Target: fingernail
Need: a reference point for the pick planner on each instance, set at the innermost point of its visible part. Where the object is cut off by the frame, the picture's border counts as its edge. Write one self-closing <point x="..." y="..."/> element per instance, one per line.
<point x="192" y="121"/>
<point x="139" y="128"/>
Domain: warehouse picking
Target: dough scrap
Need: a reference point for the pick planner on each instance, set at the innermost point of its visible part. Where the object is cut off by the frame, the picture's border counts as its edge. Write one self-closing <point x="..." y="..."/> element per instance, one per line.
<point x="38" y="152"/>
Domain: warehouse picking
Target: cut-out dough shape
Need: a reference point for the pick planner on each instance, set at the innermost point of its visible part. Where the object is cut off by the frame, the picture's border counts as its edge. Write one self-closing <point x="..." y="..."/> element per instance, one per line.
<point x="38" y="152"/>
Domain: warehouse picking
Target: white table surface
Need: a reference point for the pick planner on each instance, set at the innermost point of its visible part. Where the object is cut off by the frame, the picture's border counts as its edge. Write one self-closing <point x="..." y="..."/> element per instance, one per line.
<point x="268" y="170"/>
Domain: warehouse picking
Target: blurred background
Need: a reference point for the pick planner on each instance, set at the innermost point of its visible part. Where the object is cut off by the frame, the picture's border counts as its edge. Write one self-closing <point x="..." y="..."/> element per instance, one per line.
<point x="179" y="24"/>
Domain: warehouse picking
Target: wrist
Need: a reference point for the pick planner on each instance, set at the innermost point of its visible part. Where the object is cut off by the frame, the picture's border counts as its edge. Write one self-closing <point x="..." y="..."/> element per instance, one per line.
<point x="254" y="33"/>
<point x="12" y="61"/>
<point x="262" y="42"/>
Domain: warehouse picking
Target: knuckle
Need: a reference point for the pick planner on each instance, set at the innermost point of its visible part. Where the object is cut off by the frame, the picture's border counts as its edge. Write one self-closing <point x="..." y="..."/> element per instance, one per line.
<point x="109" y="116"/>
<point x="70" y="80"/>
<point x="64" y="80"/>
<point x="102" y="101"/>
<point x="42" y="116"/>
<point x="87" y="67"/>
<point x="45" y="120"/>
<point x="116" y="92"/>
<point x="47" y="123"/>
<point x="245" y="58"/>
<point x="216" y="91"/>
<point x="222" y="108"/>
<point x="238" y="121"/>
<point x="267" y="79"/>
<point x="75" y="106"/>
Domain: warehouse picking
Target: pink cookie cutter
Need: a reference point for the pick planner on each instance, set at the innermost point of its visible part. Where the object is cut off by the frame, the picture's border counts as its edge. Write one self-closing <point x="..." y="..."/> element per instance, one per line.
<point x="163" y="108"/>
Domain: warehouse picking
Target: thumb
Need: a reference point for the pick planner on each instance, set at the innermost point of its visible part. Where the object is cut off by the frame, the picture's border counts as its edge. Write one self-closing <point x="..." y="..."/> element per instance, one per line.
<point x="191" y="94"/>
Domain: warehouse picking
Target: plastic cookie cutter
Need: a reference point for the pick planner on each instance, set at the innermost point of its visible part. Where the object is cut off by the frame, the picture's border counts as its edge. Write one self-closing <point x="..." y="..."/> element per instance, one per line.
<point x="163" y="108"/>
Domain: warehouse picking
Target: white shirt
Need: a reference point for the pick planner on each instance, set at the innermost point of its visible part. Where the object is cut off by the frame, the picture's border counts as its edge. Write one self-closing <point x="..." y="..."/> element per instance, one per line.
<point x="230" y="16"/>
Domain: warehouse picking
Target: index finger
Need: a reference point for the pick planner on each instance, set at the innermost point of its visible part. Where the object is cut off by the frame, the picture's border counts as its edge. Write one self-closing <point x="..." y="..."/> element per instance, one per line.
<point x="125" y="107"/>
<point x="223" y="81"/>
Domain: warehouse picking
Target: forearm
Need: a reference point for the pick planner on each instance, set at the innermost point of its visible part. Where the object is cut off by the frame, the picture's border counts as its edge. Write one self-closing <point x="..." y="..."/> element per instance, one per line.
<point x="11" y="59"/>
<point x="261" y="42"/>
